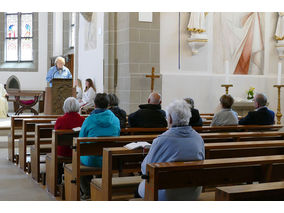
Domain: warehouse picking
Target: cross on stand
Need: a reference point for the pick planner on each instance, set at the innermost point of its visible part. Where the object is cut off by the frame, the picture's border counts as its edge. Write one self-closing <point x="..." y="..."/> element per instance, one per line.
<point x="152" y="76"/>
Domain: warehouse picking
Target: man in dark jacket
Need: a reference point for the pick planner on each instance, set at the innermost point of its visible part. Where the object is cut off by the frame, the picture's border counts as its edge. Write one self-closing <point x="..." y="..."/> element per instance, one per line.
<point x="262" y="115"/>
<point x="149" y="115"/>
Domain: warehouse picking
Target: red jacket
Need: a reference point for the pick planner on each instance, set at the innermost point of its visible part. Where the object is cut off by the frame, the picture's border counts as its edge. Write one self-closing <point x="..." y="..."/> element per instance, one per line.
<point x="68" y="121"/>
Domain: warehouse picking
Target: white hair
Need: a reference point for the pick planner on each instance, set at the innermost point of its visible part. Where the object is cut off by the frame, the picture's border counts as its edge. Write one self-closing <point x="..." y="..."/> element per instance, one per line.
<point x="59" y="58"/>
<point x="180" y="112"/>
<point x="71" y="105"/>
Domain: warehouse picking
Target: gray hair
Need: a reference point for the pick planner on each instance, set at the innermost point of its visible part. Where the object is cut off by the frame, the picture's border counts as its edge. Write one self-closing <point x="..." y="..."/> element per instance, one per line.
<point x="261" y="99"/>
<point x="180" y="112"/>
<point x="71" y="105"/>
<point x="59" y="58"/>
<point x="190" y="101"/>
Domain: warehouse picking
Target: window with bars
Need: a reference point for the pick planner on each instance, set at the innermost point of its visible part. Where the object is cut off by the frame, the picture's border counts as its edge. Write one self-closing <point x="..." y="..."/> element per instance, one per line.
<point x="19" y="37"/>
<point x="72" y="30"/>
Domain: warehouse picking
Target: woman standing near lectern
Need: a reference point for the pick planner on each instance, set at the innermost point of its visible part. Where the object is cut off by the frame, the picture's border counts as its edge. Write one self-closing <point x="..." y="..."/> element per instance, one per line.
<point x="58" y="71"/>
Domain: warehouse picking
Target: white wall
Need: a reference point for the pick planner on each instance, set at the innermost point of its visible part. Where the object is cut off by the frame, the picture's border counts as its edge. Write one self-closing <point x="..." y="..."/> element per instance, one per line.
<point x="34" y="80"/>
<point x="196" y="78"/>
<point x="90" y="62"/>
<point x="57" y="34"/>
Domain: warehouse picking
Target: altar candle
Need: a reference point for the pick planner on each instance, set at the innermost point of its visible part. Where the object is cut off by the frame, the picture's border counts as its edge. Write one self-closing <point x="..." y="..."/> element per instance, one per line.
<point x="227" y="72"/>
<point x="279" y="73"/>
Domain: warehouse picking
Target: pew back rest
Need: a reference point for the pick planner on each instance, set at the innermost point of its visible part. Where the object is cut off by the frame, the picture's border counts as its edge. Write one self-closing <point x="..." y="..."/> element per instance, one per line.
<point x="139" y="131"/>
<point x="208" y="172"/>
<point x="241" y="136"/>
<point x="243" y="149"/>
<point x="94" y="146"/>
<point x="237" y="128"/>
<point x="121" y="160"/>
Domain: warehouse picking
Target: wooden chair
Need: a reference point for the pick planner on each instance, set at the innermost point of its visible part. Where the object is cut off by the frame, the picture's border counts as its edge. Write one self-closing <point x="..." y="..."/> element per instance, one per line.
<point x="221" y="171"/>
<point x="273" y="191"/>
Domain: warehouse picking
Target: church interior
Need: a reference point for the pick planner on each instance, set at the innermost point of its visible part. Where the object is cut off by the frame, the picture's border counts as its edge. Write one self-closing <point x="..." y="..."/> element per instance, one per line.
<point x="210" y="62"/>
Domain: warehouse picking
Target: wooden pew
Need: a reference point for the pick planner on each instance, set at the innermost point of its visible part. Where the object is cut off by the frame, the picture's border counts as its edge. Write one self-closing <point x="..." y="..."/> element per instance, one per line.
<point x="206" y="114"/>
<point x="272" y="191"/>
<point x="139" y="131"/>
<point x="42" y="131"/>
<point x="28" y="126"/>
<point x="16" y="125"/>
<point x="101" y="189"/>
<point x="59" y="138"/>
<point x="72" y="172"/>
<point x="203" y="129"/>
<point x="210" y="117"/>
<point x="245" y="128"/>
<point x="51" y="184"/>
<point x="243" y="149"/>
<point x="117" y="159"/>
<point x="221" y="171"/>
<point x="241" y="136"/>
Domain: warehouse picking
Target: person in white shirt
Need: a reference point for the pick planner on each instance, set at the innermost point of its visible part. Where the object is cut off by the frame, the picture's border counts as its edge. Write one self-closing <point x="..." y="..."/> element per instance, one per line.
<point x="79" y="89"/>
<point x="88" y="95"/>
<point x="3" y="102"/>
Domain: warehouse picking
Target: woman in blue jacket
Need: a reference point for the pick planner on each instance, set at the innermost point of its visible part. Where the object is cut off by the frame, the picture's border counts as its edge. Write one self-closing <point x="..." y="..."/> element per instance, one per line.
<point x="101" y="122"/>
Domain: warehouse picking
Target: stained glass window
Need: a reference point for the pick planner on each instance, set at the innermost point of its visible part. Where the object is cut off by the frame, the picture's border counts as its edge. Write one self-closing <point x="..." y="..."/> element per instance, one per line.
<point x="19" y="37"/>
<point x="72" y="30"/>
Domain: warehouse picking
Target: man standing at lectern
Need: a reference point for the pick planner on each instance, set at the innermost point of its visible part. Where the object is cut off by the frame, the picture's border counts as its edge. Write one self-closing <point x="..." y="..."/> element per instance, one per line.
<point x="58" y="71"/>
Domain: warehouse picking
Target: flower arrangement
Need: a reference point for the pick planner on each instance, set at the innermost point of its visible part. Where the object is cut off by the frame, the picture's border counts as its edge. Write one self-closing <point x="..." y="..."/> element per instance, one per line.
<point x="250" y="93"/>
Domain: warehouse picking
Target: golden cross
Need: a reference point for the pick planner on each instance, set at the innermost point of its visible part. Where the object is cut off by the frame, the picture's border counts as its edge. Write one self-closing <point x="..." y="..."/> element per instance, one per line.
<point x="152" y="76"/>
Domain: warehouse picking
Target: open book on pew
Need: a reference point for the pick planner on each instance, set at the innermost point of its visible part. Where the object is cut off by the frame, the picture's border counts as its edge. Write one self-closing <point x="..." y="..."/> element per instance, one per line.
<point x="77" y="129"/>
<point x="136" y="145"/>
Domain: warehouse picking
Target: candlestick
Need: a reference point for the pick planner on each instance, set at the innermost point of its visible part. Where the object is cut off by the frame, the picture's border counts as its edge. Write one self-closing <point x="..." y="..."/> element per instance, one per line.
<point x="227" y="71"/>
<point x="279" y="73"/>
<point x="279" y="114"/>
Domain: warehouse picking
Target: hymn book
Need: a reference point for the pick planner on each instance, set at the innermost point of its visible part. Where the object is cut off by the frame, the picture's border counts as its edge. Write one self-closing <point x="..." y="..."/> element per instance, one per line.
<point x="77" y="129"/>
<point x="136" y="145"/>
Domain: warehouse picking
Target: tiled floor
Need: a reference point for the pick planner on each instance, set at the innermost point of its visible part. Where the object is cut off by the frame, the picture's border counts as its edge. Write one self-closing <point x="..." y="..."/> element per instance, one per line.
<point x="17" y="186"/>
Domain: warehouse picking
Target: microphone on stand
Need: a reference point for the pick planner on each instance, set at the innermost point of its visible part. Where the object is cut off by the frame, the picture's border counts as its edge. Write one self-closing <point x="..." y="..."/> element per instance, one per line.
<point x="56" y="72"/>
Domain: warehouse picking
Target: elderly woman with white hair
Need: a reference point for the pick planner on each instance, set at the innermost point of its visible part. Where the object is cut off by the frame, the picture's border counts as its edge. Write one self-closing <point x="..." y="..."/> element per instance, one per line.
<point x="58" y="71"/>
<point x="179" y="143"/>
<point x="69" y="120"/>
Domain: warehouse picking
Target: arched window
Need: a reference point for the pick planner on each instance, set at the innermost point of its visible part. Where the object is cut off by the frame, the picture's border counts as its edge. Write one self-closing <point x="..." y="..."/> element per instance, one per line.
<point x="19" y="37"/>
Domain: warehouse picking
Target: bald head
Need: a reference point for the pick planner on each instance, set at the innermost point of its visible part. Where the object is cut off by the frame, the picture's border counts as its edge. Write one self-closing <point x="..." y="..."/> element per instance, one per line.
<point x="154" y="98"/>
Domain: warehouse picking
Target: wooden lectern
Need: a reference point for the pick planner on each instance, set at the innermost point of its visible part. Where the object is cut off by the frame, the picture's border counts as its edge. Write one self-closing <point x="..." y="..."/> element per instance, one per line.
<point x="56" y="95"/>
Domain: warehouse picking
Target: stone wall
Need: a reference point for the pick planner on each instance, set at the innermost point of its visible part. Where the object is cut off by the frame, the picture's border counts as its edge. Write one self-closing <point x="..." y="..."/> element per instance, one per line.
<point x="136" y="45"/>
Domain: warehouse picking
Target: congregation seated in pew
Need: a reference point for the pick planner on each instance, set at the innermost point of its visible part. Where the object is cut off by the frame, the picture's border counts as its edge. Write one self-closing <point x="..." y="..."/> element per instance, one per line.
<point x="225" y="117"/>
<point x="262" y="115"/>
<point x="179" y="143"/>
<point x="119" y="113"/>
<point x="195" y="119"/>
<point x="101" y="122"/>
<point x="71" y="119"/>
<point x="149" y="115"/>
